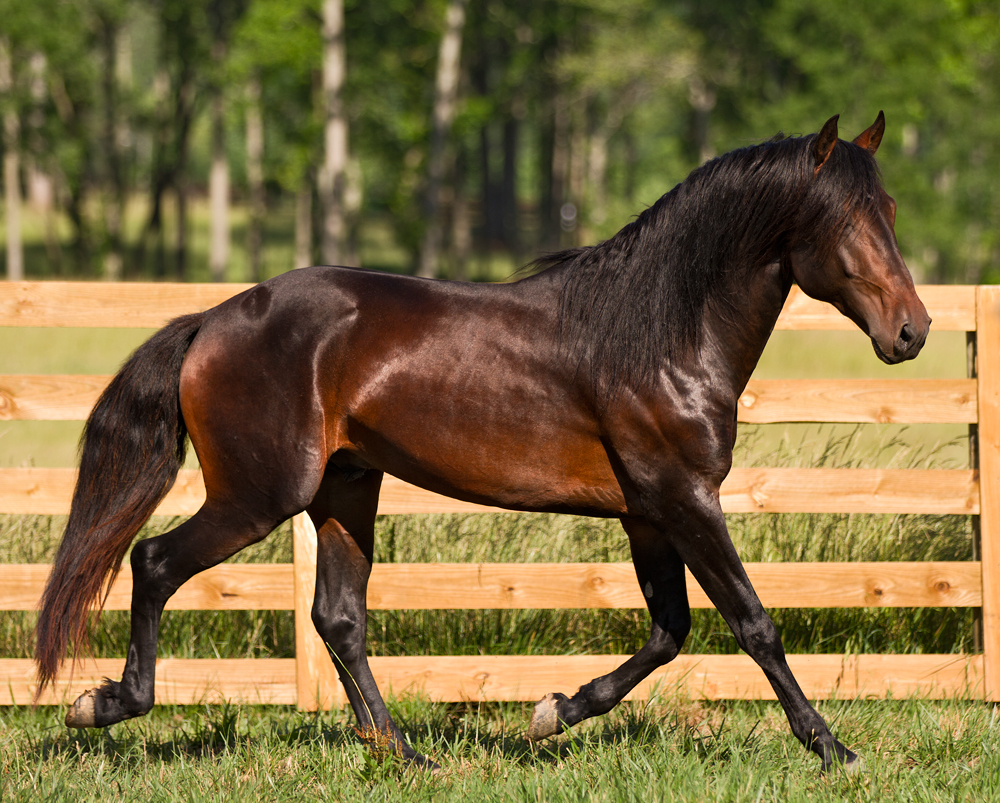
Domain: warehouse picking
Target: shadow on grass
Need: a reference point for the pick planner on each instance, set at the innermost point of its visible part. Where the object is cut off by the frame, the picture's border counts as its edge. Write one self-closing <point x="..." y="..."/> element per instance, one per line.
<point x="454" y="735"/>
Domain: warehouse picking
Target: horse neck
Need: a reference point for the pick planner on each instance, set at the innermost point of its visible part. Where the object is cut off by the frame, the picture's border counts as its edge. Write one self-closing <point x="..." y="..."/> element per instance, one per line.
<point x="731" y="344"/>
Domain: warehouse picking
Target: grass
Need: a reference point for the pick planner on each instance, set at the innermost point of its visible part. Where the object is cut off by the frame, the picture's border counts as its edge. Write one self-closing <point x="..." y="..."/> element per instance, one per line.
<point x="670" y="749"/>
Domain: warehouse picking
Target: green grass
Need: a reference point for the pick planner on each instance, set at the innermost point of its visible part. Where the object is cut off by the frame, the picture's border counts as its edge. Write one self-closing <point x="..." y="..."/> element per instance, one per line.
<point x="669" y="749"/>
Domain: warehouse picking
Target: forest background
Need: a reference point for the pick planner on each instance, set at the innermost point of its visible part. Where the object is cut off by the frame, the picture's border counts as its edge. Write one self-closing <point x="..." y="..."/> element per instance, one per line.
<point x="237" y="139"/>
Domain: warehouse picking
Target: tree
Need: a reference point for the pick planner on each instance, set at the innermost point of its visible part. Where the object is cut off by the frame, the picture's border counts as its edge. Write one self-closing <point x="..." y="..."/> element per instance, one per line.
<point x="445" y="97"/>
<point x="11" y="165"/>
<point x="333" y="176"/>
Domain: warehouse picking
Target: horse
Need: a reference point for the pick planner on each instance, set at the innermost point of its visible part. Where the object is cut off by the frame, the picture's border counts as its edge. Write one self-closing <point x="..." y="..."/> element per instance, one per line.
<point x="602" y="383"/>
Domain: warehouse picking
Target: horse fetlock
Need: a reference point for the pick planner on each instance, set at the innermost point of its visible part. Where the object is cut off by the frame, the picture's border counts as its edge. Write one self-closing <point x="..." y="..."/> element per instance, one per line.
<point x="545" y="719"/>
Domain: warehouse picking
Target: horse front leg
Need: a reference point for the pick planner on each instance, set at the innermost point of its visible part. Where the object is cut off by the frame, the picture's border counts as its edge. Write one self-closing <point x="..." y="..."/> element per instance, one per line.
<point x="660" y="573"/>
<point x="698" y="532"/>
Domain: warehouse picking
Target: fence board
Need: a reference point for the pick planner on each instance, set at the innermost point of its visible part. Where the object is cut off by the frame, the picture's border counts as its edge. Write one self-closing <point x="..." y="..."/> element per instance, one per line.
<point x="849" y="490"/>
<point x="988" y="358"/>
<point x="526" y="678"/>
<point x="49" y="397"/>
<point x="48" y="491"/>
<point x="56" y="397"/>
<point x="859" y="401"/>
<point x="430" y="586"/>
<point x="178" y="680"/>
<point x="129" y="305"/>
<point x="952" y="308"/>
<point x="152" y="304"/>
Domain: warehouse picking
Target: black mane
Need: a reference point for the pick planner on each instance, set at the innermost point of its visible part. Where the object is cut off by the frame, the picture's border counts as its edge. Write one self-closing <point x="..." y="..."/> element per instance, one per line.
<point x="639" y="296"/>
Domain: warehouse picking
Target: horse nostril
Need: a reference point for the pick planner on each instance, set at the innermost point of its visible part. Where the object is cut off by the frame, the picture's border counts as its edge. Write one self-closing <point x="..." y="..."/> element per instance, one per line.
<point x="906" y="335"/>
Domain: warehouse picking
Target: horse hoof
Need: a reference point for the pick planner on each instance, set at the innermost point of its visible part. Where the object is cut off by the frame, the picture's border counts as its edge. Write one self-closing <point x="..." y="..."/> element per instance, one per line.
<point x="545" y="718"/>
<point x="83" y="714"/>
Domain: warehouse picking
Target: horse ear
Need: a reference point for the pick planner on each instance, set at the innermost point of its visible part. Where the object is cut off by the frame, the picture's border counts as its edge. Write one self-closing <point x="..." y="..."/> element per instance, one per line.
<point x="870" y="138"/>
<point x="825" y="141"/>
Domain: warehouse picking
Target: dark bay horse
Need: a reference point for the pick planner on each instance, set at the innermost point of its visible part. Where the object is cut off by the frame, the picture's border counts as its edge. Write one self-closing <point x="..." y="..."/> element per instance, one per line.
<point x="605" y="384"/>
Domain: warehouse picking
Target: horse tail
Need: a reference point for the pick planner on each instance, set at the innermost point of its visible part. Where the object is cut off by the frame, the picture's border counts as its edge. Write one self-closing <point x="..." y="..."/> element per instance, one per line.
<point x="132" y="447"/>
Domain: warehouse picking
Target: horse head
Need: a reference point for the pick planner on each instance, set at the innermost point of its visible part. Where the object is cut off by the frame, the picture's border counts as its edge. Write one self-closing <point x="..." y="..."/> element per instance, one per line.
<point x="861" y="271"/>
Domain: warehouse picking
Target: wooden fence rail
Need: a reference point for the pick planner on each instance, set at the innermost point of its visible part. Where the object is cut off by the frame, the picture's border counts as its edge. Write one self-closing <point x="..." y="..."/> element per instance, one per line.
<point x="309" y="680"/>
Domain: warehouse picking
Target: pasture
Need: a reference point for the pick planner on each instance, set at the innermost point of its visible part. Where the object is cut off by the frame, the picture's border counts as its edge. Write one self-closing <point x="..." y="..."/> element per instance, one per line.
<point x="671" y="748"/>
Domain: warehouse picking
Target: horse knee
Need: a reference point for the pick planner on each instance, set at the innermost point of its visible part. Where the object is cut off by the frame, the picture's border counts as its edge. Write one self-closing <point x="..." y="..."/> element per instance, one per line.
<point x="759" y="636"/>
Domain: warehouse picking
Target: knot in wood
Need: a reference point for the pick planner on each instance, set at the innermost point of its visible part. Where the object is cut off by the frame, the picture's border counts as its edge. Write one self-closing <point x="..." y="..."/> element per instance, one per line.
<point x="748" y="399"/>
<point x="942" y="586"/>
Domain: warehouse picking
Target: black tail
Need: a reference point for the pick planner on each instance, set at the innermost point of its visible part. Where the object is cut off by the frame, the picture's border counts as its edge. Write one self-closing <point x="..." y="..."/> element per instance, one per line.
<point x="132" y="448"/>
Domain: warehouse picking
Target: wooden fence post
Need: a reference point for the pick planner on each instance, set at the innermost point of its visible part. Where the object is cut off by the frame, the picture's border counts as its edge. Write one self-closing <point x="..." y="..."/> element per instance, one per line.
<point x="316" y="679"/>
<point x="988" y="357"/>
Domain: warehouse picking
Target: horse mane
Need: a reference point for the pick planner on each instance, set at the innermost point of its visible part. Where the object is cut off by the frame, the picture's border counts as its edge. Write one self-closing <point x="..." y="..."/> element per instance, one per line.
<point x="639" y="297"/>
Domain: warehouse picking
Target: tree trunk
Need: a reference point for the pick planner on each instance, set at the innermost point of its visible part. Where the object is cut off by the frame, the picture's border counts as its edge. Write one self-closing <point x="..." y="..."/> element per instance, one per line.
<point x="303" y="224"/>
<point x="41" y="184"/>
<point x="559" y="209"/>
<point x="508" y="189"/>
<point x="445" y="96"/>
<point x="114" y="195"/>
<point x="255" y="179"/>
<point x="461" y="219"/>
<point x="180" y="244"/>
<point x="218" y="182"/>
<point x="333" y="177"/>
<point x="11" y="169"/>
<point x="702" y="98"/>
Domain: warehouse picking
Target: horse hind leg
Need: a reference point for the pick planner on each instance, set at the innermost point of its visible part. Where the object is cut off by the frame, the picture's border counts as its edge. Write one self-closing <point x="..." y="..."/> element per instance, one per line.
<point x="160" y="566"/>
<point x="344" y="515"/>
<point x="660" y="572"/>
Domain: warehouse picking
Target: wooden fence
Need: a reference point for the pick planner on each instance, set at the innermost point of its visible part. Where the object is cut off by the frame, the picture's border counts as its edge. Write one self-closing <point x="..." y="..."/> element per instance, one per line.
<point x="309" y="679"/>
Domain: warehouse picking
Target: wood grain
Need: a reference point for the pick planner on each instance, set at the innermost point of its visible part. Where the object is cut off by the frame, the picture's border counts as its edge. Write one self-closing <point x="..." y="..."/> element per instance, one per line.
<point x="952" y="308"/>
<point x="151" y="305"/>
<point x="988" y="359"/>
<point x="128" y="305"/>
<point x="429" y="586"/>
<point x="49" y="397"/>
<point x="859" y="401"/>
<point x="184" y="681"/>
<point x="66" y="397"/>
<point x="850" y="490"/>
<point x="497" y="677"/>
<point x="48" y="491"/>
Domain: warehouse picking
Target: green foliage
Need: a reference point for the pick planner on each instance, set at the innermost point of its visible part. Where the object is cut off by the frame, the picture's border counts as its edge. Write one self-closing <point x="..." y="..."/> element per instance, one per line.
<point x="600" y="105"/>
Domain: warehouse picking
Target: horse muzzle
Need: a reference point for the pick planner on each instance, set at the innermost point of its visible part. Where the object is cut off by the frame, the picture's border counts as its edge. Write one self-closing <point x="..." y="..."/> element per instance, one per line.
<point x="909" y="340"/>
